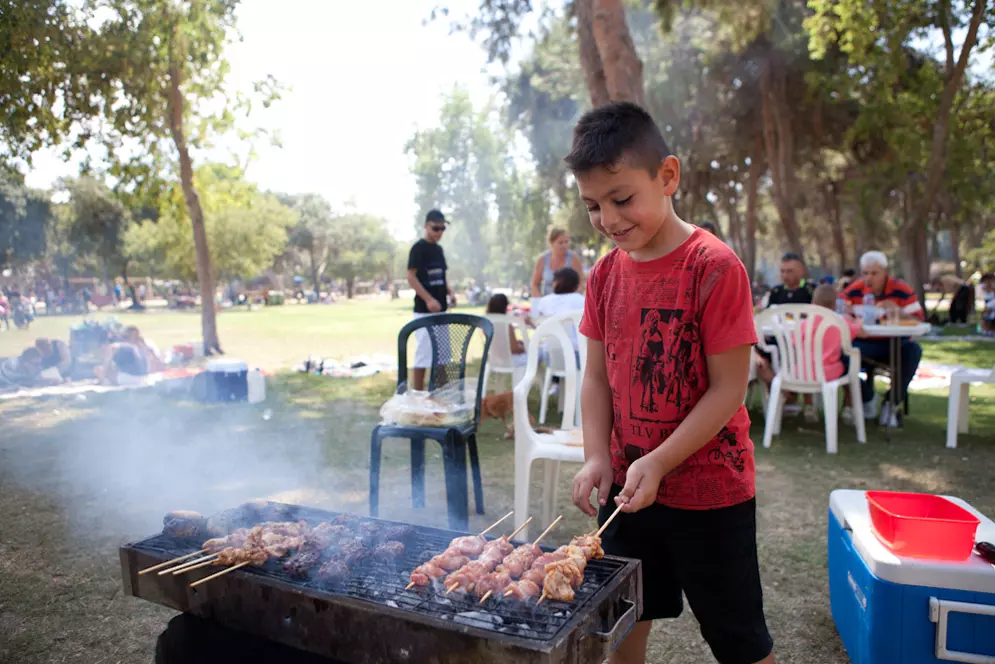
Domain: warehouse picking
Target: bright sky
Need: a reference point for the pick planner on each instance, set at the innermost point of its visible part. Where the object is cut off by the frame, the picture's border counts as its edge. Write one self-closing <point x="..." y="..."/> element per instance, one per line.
<point x="362" y="77"/>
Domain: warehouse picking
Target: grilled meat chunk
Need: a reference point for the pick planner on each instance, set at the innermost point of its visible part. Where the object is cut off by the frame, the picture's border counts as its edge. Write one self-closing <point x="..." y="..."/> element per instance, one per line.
<point x="184" y="523"/>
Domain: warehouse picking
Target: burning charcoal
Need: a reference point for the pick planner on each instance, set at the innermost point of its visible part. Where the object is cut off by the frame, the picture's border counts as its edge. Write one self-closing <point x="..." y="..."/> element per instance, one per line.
<point x="282" y="512"/>
<point x="398" y="534"/>
<point x="183" y="524"/>
<point x="389" y="552"/>
<point x="474" y="618"/>
<point x="334" y="571"/>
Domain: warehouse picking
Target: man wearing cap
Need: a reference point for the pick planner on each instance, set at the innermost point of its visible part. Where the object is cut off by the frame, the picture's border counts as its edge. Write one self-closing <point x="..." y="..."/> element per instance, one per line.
<point x="427" y="276"/>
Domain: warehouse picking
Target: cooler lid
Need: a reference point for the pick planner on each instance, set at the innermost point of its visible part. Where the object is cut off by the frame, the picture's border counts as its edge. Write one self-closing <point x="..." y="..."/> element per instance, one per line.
<point x="973" y="575"/>
<point x="227" y="365"/>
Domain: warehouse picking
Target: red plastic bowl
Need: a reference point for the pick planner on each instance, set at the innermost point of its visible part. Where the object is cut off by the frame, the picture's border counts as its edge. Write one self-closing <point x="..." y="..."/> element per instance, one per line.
<point x="921" y="525"/>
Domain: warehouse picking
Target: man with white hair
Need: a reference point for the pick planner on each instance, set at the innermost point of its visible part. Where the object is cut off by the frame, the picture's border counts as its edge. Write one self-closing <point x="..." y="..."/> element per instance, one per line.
<point x="889" y="293"/>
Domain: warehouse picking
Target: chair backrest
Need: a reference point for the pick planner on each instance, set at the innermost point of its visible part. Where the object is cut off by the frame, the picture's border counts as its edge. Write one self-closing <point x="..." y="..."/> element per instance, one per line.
<point x="500" y="353"/>
<point x="552" y="328"/>
<point x="451" y="335"/>
<point x="570" y="320"/>
<point x="799" y="331"/>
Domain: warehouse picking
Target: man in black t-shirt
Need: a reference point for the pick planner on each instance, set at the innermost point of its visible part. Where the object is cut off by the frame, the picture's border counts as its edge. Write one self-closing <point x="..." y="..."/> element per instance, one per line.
<point x="793" y="289"/>
<point x="427" y="275"/>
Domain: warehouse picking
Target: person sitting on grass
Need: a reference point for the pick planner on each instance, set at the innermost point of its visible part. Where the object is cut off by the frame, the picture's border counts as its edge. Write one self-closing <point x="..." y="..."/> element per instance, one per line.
<point x="128" y="362"/>
<point x="498" y="304"/>
<point x="55" y="354"/>
<point x="669" y="319"/>
<point x="834" y="363"/>
<point x="22" y="371"/>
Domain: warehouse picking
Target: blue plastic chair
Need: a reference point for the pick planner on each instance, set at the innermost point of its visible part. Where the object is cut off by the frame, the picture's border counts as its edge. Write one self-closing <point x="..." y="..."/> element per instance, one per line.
<point x="451" y="335"/>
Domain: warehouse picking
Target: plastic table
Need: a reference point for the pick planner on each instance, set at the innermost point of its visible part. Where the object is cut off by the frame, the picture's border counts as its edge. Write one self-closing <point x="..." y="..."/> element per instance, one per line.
<point x="895" y="334"/>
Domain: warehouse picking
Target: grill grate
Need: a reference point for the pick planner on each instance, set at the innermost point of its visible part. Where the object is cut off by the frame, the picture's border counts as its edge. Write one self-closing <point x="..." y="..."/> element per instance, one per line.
<point x="384" y="584"/>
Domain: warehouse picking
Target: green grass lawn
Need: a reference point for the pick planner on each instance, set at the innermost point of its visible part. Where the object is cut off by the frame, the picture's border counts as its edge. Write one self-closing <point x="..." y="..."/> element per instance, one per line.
<point x="270" y="337"/>
<point x="80" y="476"/>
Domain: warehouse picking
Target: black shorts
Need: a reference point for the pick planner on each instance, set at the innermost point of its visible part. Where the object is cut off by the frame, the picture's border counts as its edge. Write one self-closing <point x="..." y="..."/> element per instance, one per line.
<point x="709" y="554"/>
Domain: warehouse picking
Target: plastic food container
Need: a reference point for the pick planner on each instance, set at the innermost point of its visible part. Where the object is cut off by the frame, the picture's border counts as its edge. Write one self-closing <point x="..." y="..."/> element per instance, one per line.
<point x="921" y="525"/>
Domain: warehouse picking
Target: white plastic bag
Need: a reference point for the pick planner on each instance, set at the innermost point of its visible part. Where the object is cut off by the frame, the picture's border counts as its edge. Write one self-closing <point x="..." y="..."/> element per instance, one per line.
<point x="447" y="406"/>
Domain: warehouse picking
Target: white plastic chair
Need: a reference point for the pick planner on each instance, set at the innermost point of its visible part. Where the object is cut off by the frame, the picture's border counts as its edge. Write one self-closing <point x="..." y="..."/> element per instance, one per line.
<point x="559" y="359"/>
<point x="530" y="445"/>
<point x="799" y="331"/>
<point x="960" y="399"/>
<point x="500" y="359"/>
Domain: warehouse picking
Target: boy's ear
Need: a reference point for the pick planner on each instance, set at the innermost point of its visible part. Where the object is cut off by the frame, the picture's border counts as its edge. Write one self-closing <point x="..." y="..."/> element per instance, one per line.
<point x="670" y="173"/>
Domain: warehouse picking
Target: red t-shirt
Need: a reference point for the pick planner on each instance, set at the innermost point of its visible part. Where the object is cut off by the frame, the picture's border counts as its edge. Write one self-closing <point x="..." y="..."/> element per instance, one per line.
<point x="658" y="321"/>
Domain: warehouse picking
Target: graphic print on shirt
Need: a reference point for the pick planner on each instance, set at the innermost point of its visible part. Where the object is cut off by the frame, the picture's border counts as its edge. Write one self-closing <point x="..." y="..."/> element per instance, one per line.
<point x="662" y="379"/>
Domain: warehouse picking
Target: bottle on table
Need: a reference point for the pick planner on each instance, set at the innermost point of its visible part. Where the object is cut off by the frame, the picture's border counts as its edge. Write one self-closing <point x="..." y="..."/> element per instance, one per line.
<point x="870" y="311"/>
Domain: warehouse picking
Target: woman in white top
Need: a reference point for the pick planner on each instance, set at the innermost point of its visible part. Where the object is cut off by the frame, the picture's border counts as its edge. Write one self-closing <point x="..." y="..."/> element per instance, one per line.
<point x="558" y="257"/>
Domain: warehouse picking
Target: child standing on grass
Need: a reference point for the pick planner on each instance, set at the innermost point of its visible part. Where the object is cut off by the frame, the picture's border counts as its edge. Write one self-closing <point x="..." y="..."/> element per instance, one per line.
<point x="670" y="320"/>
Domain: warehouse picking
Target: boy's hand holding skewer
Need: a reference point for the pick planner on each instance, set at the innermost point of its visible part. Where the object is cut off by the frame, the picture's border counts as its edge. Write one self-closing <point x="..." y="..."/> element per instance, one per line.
<point x="642" y="483"/>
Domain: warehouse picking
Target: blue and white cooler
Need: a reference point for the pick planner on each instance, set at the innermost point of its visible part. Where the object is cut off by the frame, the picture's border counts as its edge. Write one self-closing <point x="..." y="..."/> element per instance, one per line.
<point x="227" y="380"/>
<point x="895" y="609"/>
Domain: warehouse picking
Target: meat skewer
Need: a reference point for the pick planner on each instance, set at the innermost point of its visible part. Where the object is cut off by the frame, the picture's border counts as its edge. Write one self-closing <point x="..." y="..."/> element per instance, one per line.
<point x="171" y="562"/>
<point x="455" y="556"/>
<point x="563" y="577"/>
<point x="512" y="567"/>
<point x="494" y="552"/>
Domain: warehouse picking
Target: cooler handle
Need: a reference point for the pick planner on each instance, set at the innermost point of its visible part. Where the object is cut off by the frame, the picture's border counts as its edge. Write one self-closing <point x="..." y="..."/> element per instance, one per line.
<point x="620" y="629"/>
<point x="938" y="610"/>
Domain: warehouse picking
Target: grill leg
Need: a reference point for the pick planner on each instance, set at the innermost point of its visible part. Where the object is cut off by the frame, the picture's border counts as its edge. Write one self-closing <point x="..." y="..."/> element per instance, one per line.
<point x="478" y="482"/>
<point x="418" y="472"/>
<point x="454" y="462"/>
<point x="375" y="472"/>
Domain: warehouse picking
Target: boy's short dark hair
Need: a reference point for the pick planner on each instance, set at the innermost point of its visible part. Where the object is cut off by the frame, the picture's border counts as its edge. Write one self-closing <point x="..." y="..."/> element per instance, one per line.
<point x="849" y="272"/>
<point x="988" y="276"/>
<point x="791" y="256"/>
<point x="606" y="135"/>
<point x="565" y="280"/>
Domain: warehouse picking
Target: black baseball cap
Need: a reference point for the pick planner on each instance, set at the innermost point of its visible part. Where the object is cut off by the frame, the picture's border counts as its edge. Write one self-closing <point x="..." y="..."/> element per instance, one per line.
<point x="435" y="215"/>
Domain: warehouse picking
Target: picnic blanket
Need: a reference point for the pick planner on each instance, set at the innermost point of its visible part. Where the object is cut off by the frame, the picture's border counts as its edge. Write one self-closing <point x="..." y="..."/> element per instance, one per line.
<point x="93" y="386"/>
<point x="359" y="366"/>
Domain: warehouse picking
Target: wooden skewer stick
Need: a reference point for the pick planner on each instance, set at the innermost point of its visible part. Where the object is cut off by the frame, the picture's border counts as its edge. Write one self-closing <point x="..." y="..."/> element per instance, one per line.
<point x="187" y="564"/>
<point x="517" y="530"/>
<point x="497" y="523"/>
<point x="546" y="532"/>
<point x="170" y="562"/>
<point x="409" y="586"/>
<point x="221" y="573"/>
<point x="486" y="595"/>
<point x="451" y="588"/>
<point x="184" y="570"/>
<point x="609" y="520"/>
<point x="540" y="599"/>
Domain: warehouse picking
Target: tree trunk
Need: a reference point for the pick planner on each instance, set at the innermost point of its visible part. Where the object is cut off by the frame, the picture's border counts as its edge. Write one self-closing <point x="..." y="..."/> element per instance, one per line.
<point x="590" y="59"/>
<point x="832" y="200"/>
<point x="914" y="227"/>
<point x="955" y="246"/>
<point x="350" y="283"/>
<point x="315" y="272"/>
<point x="752" y="189"/>
<point x="779" y="145"/>
<point x="623" y="69"/>
<point x="205" y="275"/>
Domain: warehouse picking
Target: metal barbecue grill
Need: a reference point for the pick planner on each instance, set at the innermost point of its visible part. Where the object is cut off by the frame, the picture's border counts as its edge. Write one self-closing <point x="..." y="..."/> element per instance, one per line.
<point x="371" y="619"/>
